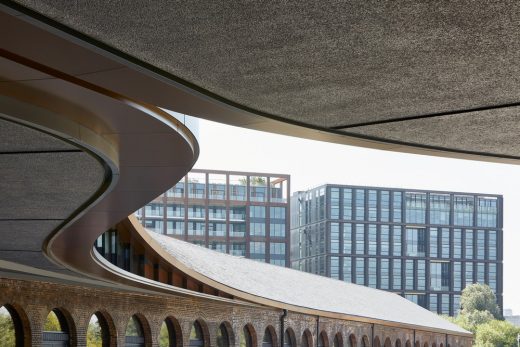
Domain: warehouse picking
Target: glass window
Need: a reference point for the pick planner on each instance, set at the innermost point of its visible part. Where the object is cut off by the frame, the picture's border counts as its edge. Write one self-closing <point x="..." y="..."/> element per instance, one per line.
<point x="439" y="209"/>
<point x="440" y="276"/>
<point x="257" y="250"/>
<point x="493" y="276"/>
<point x="347" y="238"/>
<point x="347" y="269"/>
<point x="372" y="205"/>
<point x="174" y="227"/>
<point x="372" y="272"/>
<point x="385" y="206"/>
<point x="196" y="185"/>
<point x="385" y="274"/>
<point x="492" y="245"/>
<point x="177" y="191"/>
<point x="257" y="229"/>
<point x="334" y="203"/>
<point x="155" y="225"/>
<point x="463" y="207"/>
<point x="360" y="271"/>
<point x="218" y="246"/>
<point x="237" y="187"/>
<point x="154" y="210"/>
<point x="334" y="237"/>
<point x="277" y="213"/>
<point x="278" y="189"/>
<point x="457" y="243"/>
<point x="385" y="240"/>
<point x="347" y="203"/>
<point x="334" y="267"/>
<point x="481" y="244"/>
<point x="445" y="304"/>
<point x="277" y="253"/>
<point x="487" y="212"/>
<point x="277" y="230"/>
<point x="434" y="243"/>
<point x="174" y="211"/>
<point x="468" y="274"/>
<point x="217" y="186"/>
<point x="196" y="228"/>
<point x="258" y="188"/>
<point x="445" y="242"/>
<point x="372" y="239"/>
<point x="433" y="303"/>
<point x="237" y="229"/>
<point x="415" y="207"/>
<point x="469" y="244"/>
<point x="421" y="274"/>
<point x="396" y="269"/>
<point x="481" y="273"/>
<point x="257" y="212"/>
<point x="397" y="241"/>
<point x="196" y="211"/>
<point x="457" y="276"/>
<point x="415" y="242"/>
<point x="409" y="272"/>
<point x="217" y="212"/>
<point x="238" y="249"/>
<point x="237" y="213"/>
<point x="360" y="204"/>
<point x="397" y="206"/>
<point x="217" y="229"/>
<point x="456" y="304"/>
<point x="360" y="239"/>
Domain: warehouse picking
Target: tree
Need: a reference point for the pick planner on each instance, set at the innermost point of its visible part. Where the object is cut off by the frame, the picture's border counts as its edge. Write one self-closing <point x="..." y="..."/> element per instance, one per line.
<point x="164" y="336"/>
<point x="7" y="333"/>
<point x="52" y="323"/>
<point x="479" y="297"/>
<point x="496" y="333"/>
<point x="94" y="335"/>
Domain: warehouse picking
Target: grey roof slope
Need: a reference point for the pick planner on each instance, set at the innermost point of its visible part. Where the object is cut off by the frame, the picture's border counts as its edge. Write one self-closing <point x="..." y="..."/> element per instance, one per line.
<point x="300" y="288"/>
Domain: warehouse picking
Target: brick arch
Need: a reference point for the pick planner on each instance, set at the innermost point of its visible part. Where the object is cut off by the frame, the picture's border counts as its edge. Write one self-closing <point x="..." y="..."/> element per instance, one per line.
<point x="306" y="338"/>
<point x="365" y="342"/>
<point x="204" y="329"/>
<point x="67" y="324"/>
<point x="174" y="331"/>
<point x="388" y="342"/>
<point x="229" y="331"/>
<point x="324" y="339"/>
<point x="270" y="330"/>
<point x="434" y="344"/>
<point x="352" y="340"/>
<point x="22" y="326"/>
<point x="398" y="343"/>
<point x="338" y="340"/>
<point x="377" y="342"/>
<point x="252" y="332"/>
<point x="292" y="337"/>
<point x="145" y="327"/>
<point x="425" y="344"/>
<point x="108" y="328"/>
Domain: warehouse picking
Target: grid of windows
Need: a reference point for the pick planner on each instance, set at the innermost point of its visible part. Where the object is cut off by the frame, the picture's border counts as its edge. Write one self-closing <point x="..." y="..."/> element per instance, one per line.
<point x="415" y="208"/>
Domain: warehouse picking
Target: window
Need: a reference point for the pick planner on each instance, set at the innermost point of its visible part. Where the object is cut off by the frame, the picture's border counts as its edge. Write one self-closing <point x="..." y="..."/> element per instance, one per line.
<point x="196" y="211"/>
<point x="409" y="272"/>
<point x="463" y="207"/>
<point x="372" y="239"/>
<point x="257" y="250"/>
<point x="456" y="304"/>
<point x="434" y="243"/>
<point x="237" y="213"/>
<point x="360" y="271"/>
<point x="154" y="210"/>
<point x="385" y="274"/>
<point x="439" y="209"/>
<point x="385" y="206"/>
<point x="257" y="229"/>
<point x="334" y="267"/>
<point x="415" y="208"/>
<point x="415" y="242"/>
<point x="360" y="204"/>
<point x="385" y="240"/>
<point x="217" y="229"/>
<point x="222" y="336"/>
<point x="217" y="212"/>
<point x="257" y="188"/>
<point x="174" y="211"/>
<point x="237" y="187"/>
<point x="457" y="243"/>
<point x="197" y="185"/>
<point x="457" y="276"/>
<point x="433" y="303"/>
<point x="217" y="186"/>
<point x="155" y="225"/>
<point x="469" y="244"/>
<point x="372" y="205"/>
<point x="421" y="274"/>
<point x="257" y="212"/>
<point x="196" y="228"/>
<point x="334" y="203"/>
<point x="238" y="249"/>
<point x="440" y="276"/>
<point x="468" y="274"/>
<point x="347" y="269"/>
<point x="397" y="241"/>
<point x="176" y="191"/>
<point x="334" y="237"/>
<point x="396" y="269"/>
<point x="360" y="239"/>
<point x="372" y="272"/>
<point x="445" y="242"/>
<point x="492" y="275"/>
<point x="174" y="228"/>
<point x="397" y="206"/>
<point x="277" y="230"/>
<point x="277" y="213"/>
<point x="347" y="238"/>
<point x="481" y="244"/>
<point x="487" y="212"/>
<point x="481" y="273"/>
<point x="237" y="229"/>
<point x="196" y="335"/>
<point x="347" y="203"/>
<point x="445" y="304"/>
<point x="492" y="245"/>
<point x="218" y="246"/>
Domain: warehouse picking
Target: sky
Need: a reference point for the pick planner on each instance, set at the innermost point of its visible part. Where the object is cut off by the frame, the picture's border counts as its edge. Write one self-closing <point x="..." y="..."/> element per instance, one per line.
<point x="312" y="163"/>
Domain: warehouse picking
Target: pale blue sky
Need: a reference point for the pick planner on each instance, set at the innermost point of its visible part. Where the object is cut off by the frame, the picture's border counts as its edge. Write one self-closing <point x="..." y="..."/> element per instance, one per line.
<point x="311" y="163"/>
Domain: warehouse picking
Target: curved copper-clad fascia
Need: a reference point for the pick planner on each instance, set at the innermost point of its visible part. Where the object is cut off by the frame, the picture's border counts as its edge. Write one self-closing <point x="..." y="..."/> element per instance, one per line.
<point x="122" y="133"/>
<point x="157" y="250"/>
<point x="124" y="74"/>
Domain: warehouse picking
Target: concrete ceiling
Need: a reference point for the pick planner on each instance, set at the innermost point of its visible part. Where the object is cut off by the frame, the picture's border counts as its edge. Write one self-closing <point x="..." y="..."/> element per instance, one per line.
<point x="402" y="71"/>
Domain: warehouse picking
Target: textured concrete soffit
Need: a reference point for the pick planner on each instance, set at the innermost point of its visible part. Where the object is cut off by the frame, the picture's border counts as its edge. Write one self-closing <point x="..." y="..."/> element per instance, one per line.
<point x="327" y="66"/>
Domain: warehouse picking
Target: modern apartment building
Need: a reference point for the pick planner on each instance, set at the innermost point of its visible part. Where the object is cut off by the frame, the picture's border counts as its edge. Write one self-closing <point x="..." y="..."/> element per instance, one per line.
<point x="425" y="245"/>
<point x="240" y="213"/>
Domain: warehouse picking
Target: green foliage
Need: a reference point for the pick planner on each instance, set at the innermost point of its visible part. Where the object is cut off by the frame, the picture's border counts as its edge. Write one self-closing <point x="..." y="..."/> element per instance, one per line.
<point x="479" y="297"/>
<point x="7" y="333"/>
<point x="134" y="327"/>
<point x="164" y="336"/>
<point x="496" y="333"/>
<point x="52" y="322"/>
<point x="94" y="335"/>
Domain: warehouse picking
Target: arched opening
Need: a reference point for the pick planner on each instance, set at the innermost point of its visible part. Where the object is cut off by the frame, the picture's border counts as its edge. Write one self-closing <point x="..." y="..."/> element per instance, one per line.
<point x="408" y="343"/>
<point x="417" y="344"/>
<point x="289" y="339"/>
<point x="434" y="344"/>
<point x="441" y="345"/>
<point x="338" y="340"/>
<point x="377" y="343"/>
<point x="170" y="334"/>
<point x="397" y="343"/>
<point x="101" y="331"/>
<point x="307" y="338"/>
<point x="269" y="339"/>
<point x="224" y="335"/>
<point x="57" y="330"/>
<point x="135" y="335"/>
<point x="248" y="336"/>
<point x="352" y="340"/>
<point x="388" y="343"/>
<point x="425" y="344"/>
<point x="197" y="334"/>
<point x="365" y="342"/>
<point x="13" y="330"/>
<point x="323" y="340"/>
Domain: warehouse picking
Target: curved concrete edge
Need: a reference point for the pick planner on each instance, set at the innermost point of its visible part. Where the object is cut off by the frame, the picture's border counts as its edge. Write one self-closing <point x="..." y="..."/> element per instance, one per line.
<point x="129" y="76"/>
<point x="156" y="248"/>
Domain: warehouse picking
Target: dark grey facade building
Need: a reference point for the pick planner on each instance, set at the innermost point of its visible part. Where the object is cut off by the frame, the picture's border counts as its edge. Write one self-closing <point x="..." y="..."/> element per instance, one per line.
<point x="240" y="213"/>
<point x="424" y="245"/>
